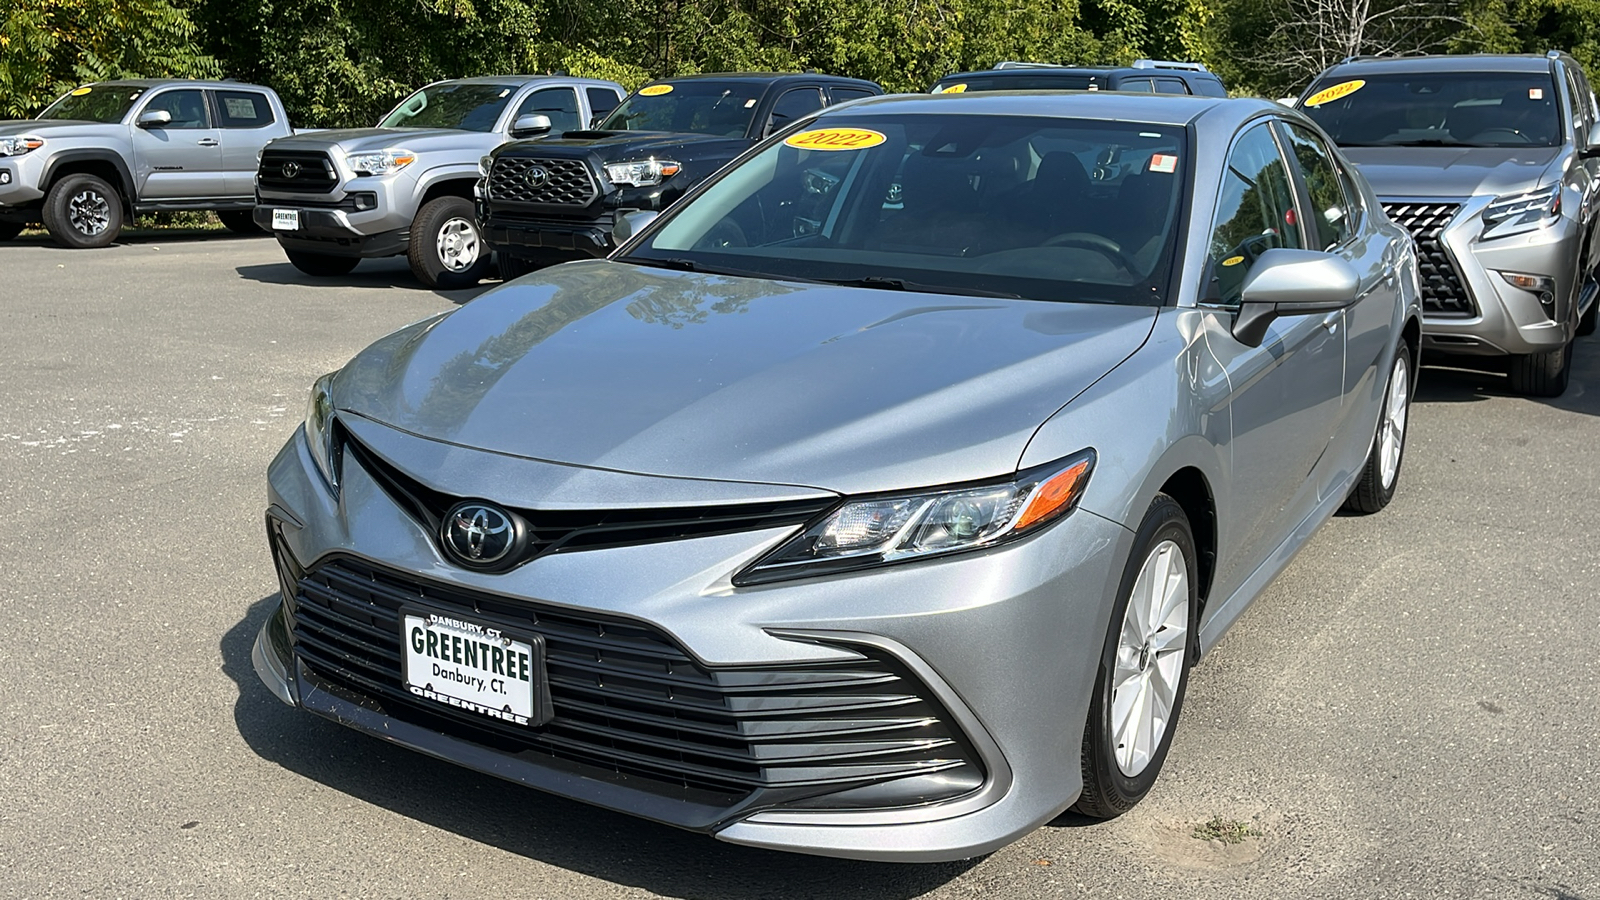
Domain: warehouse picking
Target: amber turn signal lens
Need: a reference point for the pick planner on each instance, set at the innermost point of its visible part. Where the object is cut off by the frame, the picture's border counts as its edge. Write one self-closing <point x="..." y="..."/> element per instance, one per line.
<point x="1056" y="496"/>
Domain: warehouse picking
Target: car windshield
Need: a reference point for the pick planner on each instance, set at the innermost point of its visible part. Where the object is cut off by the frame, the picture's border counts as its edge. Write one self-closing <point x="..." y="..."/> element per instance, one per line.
<point x="1020" y="81"/>
<point x="983" y="205"/>
<point x="1467" y="109"/>
<point x="468" y="107"/>
<point x="719" y="108"/>
<point x="106" y="103"/>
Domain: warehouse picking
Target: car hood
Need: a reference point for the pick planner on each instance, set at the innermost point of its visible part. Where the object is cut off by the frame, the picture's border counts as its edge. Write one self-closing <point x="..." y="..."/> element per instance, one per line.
<point x="1452" y="172"/>
<point x="615" y="146"/>
<point x="650" y="371"/>
<point x="56" y="127"/>
<point x="365" y="140"/>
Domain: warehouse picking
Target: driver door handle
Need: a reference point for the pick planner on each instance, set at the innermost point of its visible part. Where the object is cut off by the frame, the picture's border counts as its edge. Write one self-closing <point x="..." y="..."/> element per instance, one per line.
<point x="208" y="142"/>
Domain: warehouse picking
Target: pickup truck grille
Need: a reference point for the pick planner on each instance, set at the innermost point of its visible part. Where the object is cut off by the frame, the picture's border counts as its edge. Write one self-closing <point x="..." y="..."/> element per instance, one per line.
<point x="1443" y="294"/>
<point x="298" y="171"/>
<point x="551" y="182"/>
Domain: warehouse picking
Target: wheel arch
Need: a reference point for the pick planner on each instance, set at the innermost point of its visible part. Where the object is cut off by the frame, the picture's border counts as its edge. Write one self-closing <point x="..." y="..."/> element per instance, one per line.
<point x="1192" y="490"/>
<point x="447" y="184"/>
<point x="100" y="163"/>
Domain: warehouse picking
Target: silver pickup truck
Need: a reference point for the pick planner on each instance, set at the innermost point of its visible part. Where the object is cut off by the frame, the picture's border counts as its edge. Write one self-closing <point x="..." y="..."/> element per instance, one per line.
<point x="334" y="198"/>
<point x="107" y="151"/>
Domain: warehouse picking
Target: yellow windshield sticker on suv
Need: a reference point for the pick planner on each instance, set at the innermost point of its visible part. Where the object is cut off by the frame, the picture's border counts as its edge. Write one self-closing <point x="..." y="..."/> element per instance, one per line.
<point x="954" y="89"/>
<point x="1328" y="95"/>
<point x="836" y="139"/>
<point x="655" y="90"/>
<point x="81" y="91"/>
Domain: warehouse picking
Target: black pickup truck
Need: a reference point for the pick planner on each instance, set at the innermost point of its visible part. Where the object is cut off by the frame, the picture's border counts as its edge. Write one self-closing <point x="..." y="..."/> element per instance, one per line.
<point x="558" y="198"/>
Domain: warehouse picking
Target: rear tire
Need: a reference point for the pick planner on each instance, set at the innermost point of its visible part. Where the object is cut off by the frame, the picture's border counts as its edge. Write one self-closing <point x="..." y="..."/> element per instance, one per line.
<point x="239" y="221"/>
<point x="82" y="212"/>
<point x="447" y="250"/>
<point x="1144" y="666"/>
<point x="9" y="230"/>
<point x="321" y="264"/>
<point x="1380" y="474"/>
<point x="1542" y="374"/>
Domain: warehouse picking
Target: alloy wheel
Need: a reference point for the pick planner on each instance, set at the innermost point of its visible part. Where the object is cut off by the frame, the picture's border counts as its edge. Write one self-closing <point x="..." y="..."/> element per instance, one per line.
<point x="459" y="245"/>
<point x="1392" y="433"/>
<point x="1151" y="649"/>
<point x="89" y="213"/>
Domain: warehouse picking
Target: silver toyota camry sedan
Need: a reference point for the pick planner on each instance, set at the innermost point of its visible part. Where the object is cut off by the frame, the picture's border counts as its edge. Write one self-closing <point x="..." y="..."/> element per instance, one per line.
<point x="874" y="501"/>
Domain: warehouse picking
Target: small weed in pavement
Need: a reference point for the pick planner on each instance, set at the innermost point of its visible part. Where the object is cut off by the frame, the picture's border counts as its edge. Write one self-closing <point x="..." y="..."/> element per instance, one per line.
<point x="1228" y="831"/>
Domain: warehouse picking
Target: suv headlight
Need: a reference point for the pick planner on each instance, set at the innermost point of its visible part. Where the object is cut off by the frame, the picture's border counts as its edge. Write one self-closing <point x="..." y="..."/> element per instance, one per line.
<point x="484" y="164"/>
<point x="16" y="146"/>
<point x="1521" y="212"/>
<point x="319" y="430"/>
<point x="877" y="531"/>
<point x="641" y="173"/>
<point x="384" y="162"/>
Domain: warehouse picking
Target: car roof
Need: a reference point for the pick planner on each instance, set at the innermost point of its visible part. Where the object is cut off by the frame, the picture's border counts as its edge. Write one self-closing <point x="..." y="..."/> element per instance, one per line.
<point x="768" y="78"/>
<point x="1469" y="62"/>
<point x="520" y="80"/>
<point x="1155" y="109"/>
<point x="148" y="83"/>
<point x="1100" y="71"/>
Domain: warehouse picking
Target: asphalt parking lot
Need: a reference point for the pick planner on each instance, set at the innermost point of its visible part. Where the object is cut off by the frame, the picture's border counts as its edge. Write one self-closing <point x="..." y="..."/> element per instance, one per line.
<point x="1412" y="710"/>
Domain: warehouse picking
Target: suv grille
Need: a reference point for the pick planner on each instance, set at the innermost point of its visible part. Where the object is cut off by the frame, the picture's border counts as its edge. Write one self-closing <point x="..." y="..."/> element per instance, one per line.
<point x="631" y="704"/>
<point x="566" y="182"/>
<point x="300" y="171"/>
<point x="1443" y="294"/>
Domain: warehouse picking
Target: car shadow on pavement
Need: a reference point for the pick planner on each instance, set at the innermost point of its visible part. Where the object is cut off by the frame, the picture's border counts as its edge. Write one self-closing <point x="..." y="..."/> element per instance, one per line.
<point x="378" y="273"/>
<point x="1467" y="380"/>
<point x="142" y="237"/>
<point x="552" y="830"/>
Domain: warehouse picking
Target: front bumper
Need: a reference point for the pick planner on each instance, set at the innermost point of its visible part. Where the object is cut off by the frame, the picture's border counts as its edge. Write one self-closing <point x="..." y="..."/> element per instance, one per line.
<point x="19" y="191"/>
<point x="518" y="235"/>
<point x="1001" y="647"/>
<point x="1499" y="319"/>
<point x="331" y="231"/>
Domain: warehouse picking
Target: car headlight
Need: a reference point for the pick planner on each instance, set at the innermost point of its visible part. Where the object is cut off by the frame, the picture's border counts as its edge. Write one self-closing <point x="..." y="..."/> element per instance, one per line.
<point x="384" y="162"/>
<point x="877" y="531"/>
<point x="319" y="430"/>
<point x="642" y="172"/>
<point x="484" y="163"/>
<point x="16" y="146"/>
<point x="1519" y="212"/>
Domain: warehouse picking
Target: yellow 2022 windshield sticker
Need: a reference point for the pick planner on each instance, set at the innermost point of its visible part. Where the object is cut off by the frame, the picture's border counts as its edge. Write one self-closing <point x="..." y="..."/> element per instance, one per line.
<point x="81" y="91"/>
<point x="1328" y="95"/>
<point x="836" y="139"/>
<point x="954" y="89"/>
<point x="655" y="90"/>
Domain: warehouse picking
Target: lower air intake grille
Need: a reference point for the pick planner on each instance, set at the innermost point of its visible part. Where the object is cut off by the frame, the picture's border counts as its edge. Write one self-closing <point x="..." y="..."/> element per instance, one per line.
<point x="630" y="704"/>
<point x="1443" y="294"/>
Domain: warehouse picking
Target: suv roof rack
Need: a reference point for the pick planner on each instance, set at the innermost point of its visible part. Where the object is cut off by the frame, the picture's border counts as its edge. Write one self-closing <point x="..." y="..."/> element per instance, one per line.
<point x="1169" y="64"/>
<point x="1012" y="64"/>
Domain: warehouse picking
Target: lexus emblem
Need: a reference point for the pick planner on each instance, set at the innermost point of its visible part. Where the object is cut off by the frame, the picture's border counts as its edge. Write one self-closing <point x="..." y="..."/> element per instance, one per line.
<point x="291" y="169"/>
<point x="479" y="535"/>
<point x="538" y="176"/>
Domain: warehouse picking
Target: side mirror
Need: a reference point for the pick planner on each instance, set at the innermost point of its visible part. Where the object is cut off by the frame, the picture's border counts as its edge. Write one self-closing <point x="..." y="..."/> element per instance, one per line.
<point x="596" y="119"/>
<point x="530" y="126"/>
<point x="1592" y="151"/>
<point x="1292" y="283"/>
<point x="630" y="222"/>
<point x="155" y="118"/>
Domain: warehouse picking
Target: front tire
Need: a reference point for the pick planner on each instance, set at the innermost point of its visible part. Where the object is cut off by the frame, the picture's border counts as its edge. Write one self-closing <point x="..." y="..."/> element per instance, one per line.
<point x="1542" y="374"/>
<point x="239" y="221"/>
<point x="82" y="212"/>
<point x="446" y="249"/>
<point x="1380" y="474"/>
<point x="321" y="264"/>
<point x="1144" y="666"/>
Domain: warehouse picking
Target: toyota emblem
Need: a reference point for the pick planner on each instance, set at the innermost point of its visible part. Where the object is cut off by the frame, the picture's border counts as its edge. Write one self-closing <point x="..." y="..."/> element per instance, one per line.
<point x="291" y="169"/>
<point x="538" y="176"/>
<point x="478" y="534"/>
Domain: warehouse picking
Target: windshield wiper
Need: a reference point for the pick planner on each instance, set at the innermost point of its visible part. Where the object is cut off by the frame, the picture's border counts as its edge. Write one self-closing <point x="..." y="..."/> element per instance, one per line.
<point x="683" y="264"/>
<point x="900" y="284"/>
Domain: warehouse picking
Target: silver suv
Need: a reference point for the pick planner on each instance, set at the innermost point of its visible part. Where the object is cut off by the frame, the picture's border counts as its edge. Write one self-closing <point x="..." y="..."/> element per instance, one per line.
<point x="1493" y="164"/>
<point x="334" y="198"/>
<point x="106" y="151"/>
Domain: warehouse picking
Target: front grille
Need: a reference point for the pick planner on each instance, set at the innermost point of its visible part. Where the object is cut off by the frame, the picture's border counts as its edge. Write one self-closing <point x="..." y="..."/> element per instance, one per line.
<point x="565" y="182"/>
<point x="1443" y="294"/>
<point x="298" y="171"/>
<point x="630" y="705"/>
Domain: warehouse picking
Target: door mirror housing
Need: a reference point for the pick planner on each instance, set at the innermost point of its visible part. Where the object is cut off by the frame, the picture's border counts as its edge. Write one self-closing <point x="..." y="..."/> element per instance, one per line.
<point x="155" y="118"/>
<point x="530" y="126"/>
<point x="1592" y="151"/>
<point x="630" y="222"/>
<point x="1292" y="283"/>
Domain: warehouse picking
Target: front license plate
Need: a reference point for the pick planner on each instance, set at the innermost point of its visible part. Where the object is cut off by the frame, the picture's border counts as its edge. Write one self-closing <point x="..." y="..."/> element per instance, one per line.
<point x="472" y="666"/>
<point x="286" y="220"/>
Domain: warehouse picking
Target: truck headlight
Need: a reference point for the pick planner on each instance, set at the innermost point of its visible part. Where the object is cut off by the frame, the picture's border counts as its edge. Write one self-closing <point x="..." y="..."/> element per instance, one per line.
<point x="16" y="146"/>
<point x="642" y="172"/>
<point x="1516" y="213"/>
<point x="384" y="162"/>
<point x="319" y="430"/>
<point x="876" y="531"/>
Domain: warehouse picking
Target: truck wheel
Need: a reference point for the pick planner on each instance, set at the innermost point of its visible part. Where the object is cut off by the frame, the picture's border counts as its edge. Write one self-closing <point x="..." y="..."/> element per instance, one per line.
<point x="82" y="211"/>
<point x="239" y="221"/>
<point x="321" y="263"/>
<point x="9" y="230"/>
<point x="447" y="250"/>
<point x="1542" y="374"/>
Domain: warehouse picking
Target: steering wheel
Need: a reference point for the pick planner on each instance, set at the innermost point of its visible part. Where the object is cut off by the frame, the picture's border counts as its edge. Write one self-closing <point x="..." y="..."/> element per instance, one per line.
<point x="1096" y="242"/>
<point x="725" y="233"/>
<point x="1515" y="136"/>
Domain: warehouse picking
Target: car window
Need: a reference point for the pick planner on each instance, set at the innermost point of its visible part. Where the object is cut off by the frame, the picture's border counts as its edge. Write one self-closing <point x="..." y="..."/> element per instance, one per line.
<point x="1043" y="208"/>
<point x="560" y="104"/>
<point x="186" y="106"/>
<point x="1171" y="86"/>
<point x="696" y="106"/>
<point x="1331" y="219"/>
<point x="94" y="103"/>
<point x="1136" y="85"/>
<point x="1020" y="80"/>
<point x="461" y="105"/>
<point x="846" y="94"/>
<point x="243" y="109"/>
<point x="1437" y="109"/>
<point x="793" y="105"/>
<point x="1580" y="104"/>
<point x="602" y="100"/>
<point x="1255" y="213"/>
